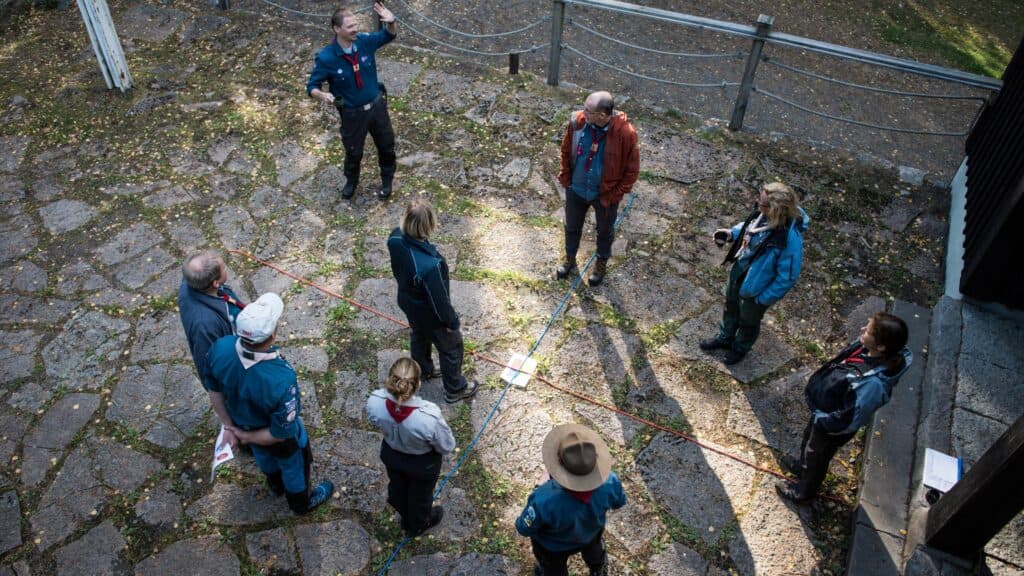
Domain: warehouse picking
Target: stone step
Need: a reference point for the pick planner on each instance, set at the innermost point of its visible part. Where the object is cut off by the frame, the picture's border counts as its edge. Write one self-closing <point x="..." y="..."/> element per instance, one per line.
<point x="880" y="521"/>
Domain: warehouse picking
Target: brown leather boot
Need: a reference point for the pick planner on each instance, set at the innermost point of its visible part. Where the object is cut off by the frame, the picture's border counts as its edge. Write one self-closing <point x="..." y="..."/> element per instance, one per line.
<point x="597" y="274"/>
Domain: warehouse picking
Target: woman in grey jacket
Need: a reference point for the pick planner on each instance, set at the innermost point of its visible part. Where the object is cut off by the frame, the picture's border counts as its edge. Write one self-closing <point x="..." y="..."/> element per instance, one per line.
<point x="415" y="438"/>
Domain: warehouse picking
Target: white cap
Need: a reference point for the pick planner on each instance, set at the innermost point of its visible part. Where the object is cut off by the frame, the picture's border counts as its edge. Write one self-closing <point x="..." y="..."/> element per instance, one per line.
<point x="257" y="321"/>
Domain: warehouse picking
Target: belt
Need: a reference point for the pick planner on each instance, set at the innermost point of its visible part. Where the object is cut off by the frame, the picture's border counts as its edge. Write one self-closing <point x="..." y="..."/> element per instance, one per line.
<point x="366" y="106"/>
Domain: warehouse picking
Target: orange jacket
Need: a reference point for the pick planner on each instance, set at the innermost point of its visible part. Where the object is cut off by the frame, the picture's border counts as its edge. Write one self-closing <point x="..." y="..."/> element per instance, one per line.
<point x="621" y="157"/>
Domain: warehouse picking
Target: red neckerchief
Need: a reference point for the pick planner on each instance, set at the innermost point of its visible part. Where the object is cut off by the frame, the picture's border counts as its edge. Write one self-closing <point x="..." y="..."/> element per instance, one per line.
<point x="854" y="357"/>
<point x="581" y="496"/>
<point x="354" y="61"/>
<point x="596" y="136"/>
<point x="397" y="411"/>
<point x="237" y="303"/>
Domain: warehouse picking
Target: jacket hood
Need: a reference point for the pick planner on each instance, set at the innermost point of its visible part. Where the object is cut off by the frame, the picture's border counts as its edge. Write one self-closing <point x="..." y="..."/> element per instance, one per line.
<point x="802" y="221"/>
<point x="881" y="370"/>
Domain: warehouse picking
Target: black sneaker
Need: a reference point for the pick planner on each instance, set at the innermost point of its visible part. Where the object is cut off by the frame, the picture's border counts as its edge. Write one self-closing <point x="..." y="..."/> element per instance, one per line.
<point x="384" y="192"/>
<point x="791" y="465"/>
<point x="714" y="344"/>
<point x="349" y="190"/>
<point x="320" y="494"/>
<point x="733" y="357"/>
<point x="436" y="514"/>
<point x="788" y="490"/>
<point x="467" y="392"/>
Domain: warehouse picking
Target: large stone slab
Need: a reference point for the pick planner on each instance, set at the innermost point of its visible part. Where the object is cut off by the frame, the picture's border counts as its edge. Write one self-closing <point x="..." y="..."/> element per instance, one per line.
<point x="79" y="277"/>
<point x="293" y="235"/>
<point x="322" y="188"/>
<point x="136" y="272"/>
<point x="52" y="434"/>
<point x="667" y="389"/>
<point x="634" y="525"/>
<point x="681" y="156"/>
<point x="305" y="314"/>
<point x="492" y="564"/>
<point x="593" y="359"/>
<point x="527" y="250"/>
<point x="129" y="243"/>
<point x="30" y="397"/>
<point x="398" y="76"/>
<point x="237" y="228"/>
<point x="160" y="337"/>
<point x="990" y="389"/>
<point x="66" y="215"/>
<point x="773" y="537"/>
<point x="163" y="402"/>
<point x="206" y="553"/>
<point x="151" y="23"/>
<point x="1009" y="542"/>
<point x="233" y="505"/>
<point x="677" y="560"/>
<point x="649" y="293"/>
<point x="350" y="392"/>
<point x="96" y="470"/>
<point x="973" y="434"/>
<point x="443" y="92"/>
<point x="293" y="162"/>
<point x="17" y="353"/>
<point x="12" y="152"/>
<point x="460" y="522"/>
<point x="272" y="550"/>
<point x="703" y="489"/>
<point x="159" y="506"/>
<point x="28" y="310"/>
<point x="10" y="521"/>
<point x="99" y="553"/>
<point x="308" y="357"/>
<point x="513" y="439"/>
<point x="773" y="414"/>
<point x="322" y="556"/>
<point x="17" y="237"/>
<point x="350" y="458"/>
<point x="986" y="334"/>
<point x="770" y="352"/>
<point x="12" y="428"/>
<point x="86" y="352"/>
<point x="437" y="564"/>
<point x="24" y="276"/>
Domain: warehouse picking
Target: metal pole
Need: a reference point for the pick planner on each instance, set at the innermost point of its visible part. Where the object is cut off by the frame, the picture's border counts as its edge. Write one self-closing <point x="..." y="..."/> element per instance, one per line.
<point x="555" y="55"/>
<point x="764" y="26"/>
<point x="513" y="64"/>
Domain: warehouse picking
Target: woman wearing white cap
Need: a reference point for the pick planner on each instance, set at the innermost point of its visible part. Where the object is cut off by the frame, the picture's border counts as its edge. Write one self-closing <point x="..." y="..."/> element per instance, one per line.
<point x="566" y="514"/>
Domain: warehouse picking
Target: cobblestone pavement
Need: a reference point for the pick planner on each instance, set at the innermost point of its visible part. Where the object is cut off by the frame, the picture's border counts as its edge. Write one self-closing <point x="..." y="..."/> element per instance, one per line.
<point x="106" y="434"/>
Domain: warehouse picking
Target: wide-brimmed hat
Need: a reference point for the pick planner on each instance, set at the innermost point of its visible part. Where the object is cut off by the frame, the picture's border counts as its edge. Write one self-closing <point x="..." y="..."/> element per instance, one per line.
<point x="576" y="457"/>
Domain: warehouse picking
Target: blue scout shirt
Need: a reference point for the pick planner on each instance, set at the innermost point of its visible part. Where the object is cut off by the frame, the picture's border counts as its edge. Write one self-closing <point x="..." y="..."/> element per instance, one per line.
<point x="587" y="183"/>
<point x="260" y="389"/>
<point x="332" y="68"/>
<point x="559" y="521"/>
<point x="205" y="319"/>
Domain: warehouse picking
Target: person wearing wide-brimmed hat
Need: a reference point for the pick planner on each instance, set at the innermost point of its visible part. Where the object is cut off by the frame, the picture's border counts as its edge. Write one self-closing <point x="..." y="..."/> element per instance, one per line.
<point x="566" y="514"/>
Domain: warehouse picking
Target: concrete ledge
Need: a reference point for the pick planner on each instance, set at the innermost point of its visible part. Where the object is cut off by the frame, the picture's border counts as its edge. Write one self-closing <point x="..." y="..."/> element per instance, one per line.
<point x="881" y="519"/>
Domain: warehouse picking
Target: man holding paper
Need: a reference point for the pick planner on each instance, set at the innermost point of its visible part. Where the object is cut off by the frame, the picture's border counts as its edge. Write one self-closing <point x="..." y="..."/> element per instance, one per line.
<point x="256" y="396"/>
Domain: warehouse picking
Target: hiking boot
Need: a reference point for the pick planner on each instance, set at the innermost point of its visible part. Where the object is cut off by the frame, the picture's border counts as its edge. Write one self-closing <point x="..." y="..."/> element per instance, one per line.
<point x="385" y="190"/>
<point x="788" y="490"/>
<point x="791" y="465"/>
<point x="733" y="357"/>
<point x="320" y="494"/>
<point x="567" y="269"/>
<point x="467" y="392"/>
<point x="436" y="514"/>
<point x="349" y="190"/>
<point x="597" y="274"/>
<point x="714" y="344"/>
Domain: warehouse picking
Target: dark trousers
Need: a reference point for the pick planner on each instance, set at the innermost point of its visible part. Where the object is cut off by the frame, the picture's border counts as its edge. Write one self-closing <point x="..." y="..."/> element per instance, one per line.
<point x="449" y="352"/>
<point x="816" y="452"/>
<point x="554" y="563"/>
<point x="411" y="484"/>
<point x="741" y="320"/>
<point x="355" y="123"/>
<point x="576" y="215"/>
<point x="294" y="466"/>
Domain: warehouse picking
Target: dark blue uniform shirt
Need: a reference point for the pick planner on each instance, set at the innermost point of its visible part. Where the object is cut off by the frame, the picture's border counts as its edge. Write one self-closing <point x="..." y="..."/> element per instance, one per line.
<point x="332" y="68"/>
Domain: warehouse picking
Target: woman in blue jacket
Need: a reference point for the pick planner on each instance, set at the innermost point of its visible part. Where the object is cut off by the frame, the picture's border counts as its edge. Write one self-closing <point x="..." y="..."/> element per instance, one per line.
<point x="843" y="395"/>
<point x="767" y="250"/>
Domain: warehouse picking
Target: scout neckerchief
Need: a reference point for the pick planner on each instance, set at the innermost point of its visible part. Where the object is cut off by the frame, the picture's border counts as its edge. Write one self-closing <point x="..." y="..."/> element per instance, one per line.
<point x="249" y="358"/>
<point x="227" y="298"/>
<point x="354" y="61"/>
<point x="596" y="136"/>
<point x="397" y="411"/>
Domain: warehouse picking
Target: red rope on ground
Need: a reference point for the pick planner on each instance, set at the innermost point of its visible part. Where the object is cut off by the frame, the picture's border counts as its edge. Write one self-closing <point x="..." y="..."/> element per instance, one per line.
<point x="540" y="378"/>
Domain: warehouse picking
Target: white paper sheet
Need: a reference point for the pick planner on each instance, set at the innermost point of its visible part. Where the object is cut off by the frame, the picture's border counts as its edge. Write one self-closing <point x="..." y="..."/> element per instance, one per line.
<point x="222" y="452"/>
<point x="941" y="471"/>
<point x="518" y="372"/>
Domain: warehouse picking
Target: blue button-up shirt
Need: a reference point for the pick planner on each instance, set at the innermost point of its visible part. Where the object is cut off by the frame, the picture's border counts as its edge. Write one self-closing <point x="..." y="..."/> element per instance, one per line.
<point x="587" y="183"/>
<point x="334" y="69"/>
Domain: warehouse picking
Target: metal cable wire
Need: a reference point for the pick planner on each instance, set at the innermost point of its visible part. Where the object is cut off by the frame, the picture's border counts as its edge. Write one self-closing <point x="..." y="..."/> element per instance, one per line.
<point x="771" y="61"/>
<point x="852" y="121"/>
<point x="739" y="54"/>
<point x="405" y="24"/>
<point x="722" y="84"/>
<point x="469" y="35"/>
<point x="301" y="13"/>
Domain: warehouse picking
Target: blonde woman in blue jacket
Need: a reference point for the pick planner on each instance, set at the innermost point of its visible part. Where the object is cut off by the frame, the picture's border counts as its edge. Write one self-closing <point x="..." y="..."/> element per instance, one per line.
<point x="767" y="251"/>
<point x="416" y="437"/>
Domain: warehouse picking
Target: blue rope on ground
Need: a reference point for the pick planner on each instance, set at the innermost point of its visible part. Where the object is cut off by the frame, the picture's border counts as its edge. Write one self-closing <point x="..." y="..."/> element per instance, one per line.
<point x="490" y="414"/>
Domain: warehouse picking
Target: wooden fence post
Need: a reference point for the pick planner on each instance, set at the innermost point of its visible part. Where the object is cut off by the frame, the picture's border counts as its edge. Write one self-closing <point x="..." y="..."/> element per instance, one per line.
<point x="764" y="26"/>
<point x="555" y="55"/>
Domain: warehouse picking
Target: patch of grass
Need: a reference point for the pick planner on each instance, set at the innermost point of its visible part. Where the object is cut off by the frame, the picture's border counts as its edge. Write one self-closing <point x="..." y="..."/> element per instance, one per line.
<point x="656" y="336"/>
